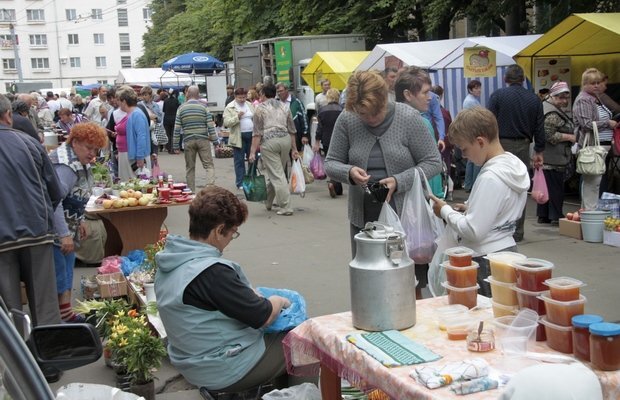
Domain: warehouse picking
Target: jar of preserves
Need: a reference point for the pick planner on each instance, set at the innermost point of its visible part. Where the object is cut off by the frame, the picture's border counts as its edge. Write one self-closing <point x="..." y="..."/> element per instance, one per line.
<point x="605" y="346"/>
<point x="581" y="334"/>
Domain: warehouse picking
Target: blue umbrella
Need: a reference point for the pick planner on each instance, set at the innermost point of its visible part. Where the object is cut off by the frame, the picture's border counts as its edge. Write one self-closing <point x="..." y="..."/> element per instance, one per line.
<point x="194" y="63"/>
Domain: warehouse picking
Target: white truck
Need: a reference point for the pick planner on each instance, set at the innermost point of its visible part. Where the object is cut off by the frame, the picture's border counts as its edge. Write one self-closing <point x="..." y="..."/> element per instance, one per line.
<point x="283" y="59"/>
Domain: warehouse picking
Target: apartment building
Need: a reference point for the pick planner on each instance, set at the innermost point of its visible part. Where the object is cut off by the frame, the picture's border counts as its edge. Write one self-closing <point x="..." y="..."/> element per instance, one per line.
<point x="70" y="42"/>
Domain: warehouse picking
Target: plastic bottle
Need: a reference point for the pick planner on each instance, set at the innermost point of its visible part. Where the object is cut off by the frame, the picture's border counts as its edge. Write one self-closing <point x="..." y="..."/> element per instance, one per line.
<point x="170" y="182"/>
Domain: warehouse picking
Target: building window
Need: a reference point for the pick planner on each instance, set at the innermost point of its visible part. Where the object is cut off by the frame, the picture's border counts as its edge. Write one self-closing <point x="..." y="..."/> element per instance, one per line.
<point x="73" y="38"/>
<point x="121" y="1"/>
<point x="71" y="14"/>
<point x="96" y="13"/>
<point x="76" y="83"/>
<point x="147" y="14"/>
<point x="38" y="40"/>
<point x="37" y="15"/>
<point x="7" y="15"/>
<point x="8" y="63"/>
<point x="102" y="82"/>
<point x="6" y="41"/>
<point x="125" y="61"/>
<point x="74" y="62"/>
<point x="122" y="17"/>
<point x="40" y="63"/>
<point x="100" y="62"/>
<point x="98" y="37"/>
<point x="123" y="39"/>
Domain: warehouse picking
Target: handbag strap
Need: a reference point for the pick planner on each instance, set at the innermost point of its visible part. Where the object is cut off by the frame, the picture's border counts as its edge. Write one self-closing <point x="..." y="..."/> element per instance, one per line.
<point x="253" y="169"/>
<point x="595" y="134"/>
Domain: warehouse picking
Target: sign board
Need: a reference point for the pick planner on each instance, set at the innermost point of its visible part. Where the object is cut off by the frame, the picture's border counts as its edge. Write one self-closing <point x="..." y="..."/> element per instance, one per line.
<point x="547" y="71"/>
<point x="479" y="62"/>
<point x="284" y="61"/>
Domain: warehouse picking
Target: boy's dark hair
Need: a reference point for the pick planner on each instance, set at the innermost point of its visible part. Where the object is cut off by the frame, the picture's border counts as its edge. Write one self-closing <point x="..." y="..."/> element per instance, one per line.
<point x="471" y="123"/>
<point x="474" y="83"/>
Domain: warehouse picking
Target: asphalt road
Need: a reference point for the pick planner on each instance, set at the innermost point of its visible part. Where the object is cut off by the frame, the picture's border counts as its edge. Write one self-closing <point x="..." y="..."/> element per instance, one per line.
<point x="309" y="252"/>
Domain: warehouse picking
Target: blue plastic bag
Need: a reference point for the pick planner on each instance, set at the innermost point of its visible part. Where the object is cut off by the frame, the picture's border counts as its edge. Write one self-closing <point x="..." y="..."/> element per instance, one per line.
<point x="290" y="317"/>
<point x="132" y="261"/>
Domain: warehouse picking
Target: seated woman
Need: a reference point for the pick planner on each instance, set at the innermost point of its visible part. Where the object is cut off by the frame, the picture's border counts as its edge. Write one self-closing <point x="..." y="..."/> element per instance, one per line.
<point x="68" y="119"/>
<point x="213" y="316"/>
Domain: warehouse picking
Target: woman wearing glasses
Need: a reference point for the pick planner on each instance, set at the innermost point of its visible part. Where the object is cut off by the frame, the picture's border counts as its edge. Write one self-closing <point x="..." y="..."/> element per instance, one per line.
<point x="213" y="316"/>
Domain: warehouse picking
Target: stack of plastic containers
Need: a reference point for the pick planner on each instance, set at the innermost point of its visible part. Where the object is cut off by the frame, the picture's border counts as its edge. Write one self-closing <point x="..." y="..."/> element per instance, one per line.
<point x="562" y="303"/>
<point x="461" y="273"/>
<point x="502" y="280"/>
<point x="531" y="274"/>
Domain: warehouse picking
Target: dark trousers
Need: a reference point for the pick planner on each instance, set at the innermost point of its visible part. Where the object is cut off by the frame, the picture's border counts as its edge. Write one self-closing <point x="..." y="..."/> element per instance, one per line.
<point x="239" y="156"/>
<point x="555" y="185"/>
<point x="521" y="149"/>
<point x="169" y="128"/>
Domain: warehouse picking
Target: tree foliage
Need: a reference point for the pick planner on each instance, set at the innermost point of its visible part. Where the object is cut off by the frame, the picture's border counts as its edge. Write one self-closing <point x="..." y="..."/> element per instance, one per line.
<point x="214" y="26"/>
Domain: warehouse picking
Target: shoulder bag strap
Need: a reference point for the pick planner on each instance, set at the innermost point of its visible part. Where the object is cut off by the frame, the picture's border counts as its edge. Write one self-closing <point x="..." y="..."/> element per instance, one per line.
<point x="595" y="134"/>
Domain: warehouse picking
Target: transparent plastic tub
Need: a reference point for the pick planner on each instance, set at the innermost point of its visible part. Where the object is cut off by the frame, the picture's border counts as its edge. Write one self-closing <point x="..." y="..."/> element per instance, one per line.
<point x="461" y="276"/>
<point x="559" y="338"/>
<point x="532" y="273"/>
<point x="446" y="313"/>
<point x="502" y="292"/>
<point x="460" y="256"/>
<point x="501" y="265"/>
<point x="514" y="333"/>
<point x="466" y="296"/>
<point x="564" y="288"/>
<point x="561" y="312"/>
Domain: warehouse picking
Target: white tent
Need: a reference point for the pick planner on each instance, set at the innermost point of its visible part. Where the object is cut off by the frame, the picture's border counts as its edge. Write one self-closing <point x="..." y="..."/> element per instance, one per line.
<point x="444" y="60"/>
<point x="155" y="77"/>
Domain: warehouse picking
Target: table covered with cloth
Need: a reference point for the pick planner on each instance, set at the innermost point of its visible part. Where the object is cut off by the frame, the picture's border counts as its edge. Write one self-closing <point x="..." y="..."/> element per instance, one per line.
<point x="320" y="343"/>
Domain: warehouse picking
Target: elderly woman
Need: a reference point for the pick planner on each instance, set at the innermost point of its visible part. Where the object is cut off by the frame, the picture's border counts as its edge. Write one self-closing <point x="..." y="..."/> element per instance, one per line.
<point x="133" y="138"/>
<point x="275" y="133"/>
<point x="588" y="110"/>
<point x="72" y="161"/>
<point x="78" y="104"/>
<point x="560" y="137"/>
<point x="67" y="120"/>
<point x="238" y="116"/>
<point x="213" y="316"/>
<point x="377" y="141"/>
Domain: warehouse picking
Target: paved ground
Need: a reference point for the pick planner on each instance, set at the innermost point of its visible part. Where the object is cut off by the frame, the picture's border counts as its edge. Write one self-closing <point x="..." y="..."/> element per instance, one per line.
<point x="309" y="252"/>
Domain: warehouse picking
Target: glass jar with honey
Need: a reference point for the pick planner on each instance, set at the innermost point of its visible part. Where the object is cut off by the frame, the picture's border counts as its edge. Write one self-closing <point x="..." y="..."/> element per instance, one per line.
<point x="605" y="346"/>
<point x="581" y="334"/>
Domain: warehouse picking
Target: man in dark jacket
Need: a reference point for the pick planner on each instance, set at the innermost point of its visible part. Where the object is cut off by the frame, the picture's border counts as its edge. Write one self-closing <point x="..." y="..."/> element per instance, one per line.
<point x="29" y="195"/>
<point x="297" y="111"/>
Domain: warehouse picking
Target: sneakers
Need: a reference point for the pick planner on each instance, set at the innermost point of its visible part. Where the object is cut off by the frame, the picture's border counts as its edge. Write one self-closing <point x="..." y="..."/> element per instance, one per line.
<point x="287" y="212"/>
<point x="332" y="190"/>
<point x="544" y="220"/>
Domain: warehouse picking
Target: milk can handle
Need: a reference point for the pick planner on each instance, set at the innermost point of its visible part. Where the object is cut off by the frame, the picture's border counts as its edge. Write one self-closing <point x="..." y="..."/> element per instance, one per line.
<point x="394" y="247"/>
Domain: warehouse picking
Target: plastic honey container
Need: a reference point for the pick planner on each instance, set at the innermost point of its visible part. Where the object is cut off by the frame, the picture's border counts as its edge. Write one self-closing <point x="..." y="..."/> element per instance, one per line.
<point x="500" y="310"/>
<point x="532" y="272"/>
<point x="461" y="276"/>
<point x="581" y="334"/>
<point x="466" y="296"/>
<point x="501" y="265"/>
<point x="531" y="300"/>
<point x="563" y="288"/>
<point x="559" y="338"/>
<point x="502" y="292"/>
<point x="561" y="312"/>
<point x="460" y="256"/>
<point x="605" y="346"/>
<point x="446" y="314"/>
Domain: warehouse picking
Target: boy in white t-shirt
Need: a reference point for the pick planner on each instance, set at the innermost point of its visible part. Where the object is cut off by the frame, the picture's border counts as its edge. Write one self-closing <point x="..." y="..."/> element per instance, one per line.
<point x="486" y="224"/>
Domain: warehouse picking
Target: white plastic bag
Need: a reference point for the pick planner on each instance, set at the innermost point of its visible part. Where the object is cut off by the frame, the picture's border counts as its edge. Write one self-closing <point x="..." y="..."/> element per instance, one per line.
<point x="144" y="171"/>
<point x="389" y="217"/>
<point x="298" y="183"/>
<point x="437" y="274"/>
<point x="421" y="225"/>
<point x="305" y="391"/>
<point x="308" y="155"/>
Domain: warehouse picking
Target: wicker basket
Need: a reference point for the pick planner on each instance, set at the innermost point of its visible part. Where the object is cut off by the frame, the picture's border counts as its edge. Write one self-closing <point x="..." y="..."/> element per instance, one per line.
<point x="223" y="152"/>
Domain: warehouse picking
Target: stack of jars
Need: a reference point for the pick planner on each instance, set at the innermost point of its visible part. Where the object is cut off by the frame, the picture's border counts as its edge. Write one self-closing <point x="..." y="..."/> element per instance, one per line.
<point x="562" y="303"/>
<point x="461" y="277"/>
<point x="502" y="281"/>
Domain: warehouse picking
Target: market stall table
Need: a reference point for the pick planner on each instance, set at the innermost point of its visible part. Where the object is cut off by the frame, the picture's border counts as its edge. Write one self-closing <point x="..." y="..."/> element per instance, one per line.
<point x="132" y="228"/>
<point x="322" y="341"/>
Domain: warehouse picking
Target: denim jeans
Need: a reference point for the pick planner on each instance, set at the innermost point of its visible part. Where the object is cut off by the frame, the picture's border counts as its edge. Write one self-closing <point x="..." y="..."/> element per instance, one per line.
<point x="240" y="154"/>
<point x="471" y="173"/>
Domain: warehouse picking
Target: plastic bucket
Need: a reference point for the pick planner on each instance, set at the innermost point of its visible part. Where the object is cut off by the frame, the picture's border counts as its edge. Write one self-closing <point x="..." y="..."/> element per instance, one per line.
<point x="592" y="231"/>
<point x="594" y="216"/>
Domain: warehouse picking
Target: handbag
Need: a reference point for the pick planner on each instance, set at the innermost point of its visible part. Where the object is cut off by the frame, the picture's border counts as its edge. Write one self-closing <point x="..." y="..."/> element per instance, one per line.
<point x="616" y="141"/>
<point x="254" y="185"/>
<point x="591" y="158"/>
<point x="160" y="134"/>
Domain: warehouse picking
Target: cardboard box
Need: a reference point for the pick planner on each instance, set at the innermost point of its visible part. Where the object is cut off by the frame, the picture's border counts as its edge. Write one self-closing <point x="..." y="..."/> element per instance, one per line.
<point x="570" y="228"/>
<point x="112" y="285"/>
<point x="611" y="238"/>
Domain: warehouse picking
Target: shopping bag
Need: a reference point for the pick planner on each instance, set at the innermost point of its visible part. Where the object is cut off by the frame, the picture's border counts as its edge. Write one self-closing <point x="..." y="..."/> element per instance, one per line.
<point x="289" y="317"/>
<point x="160" y="134"/>
<point x="591" y="158"/>
<point x="389" y="217"/>
<point x="616" y="141"/>
<point x="308" y="177"/>
<point x="419" y="222"/>
<point x="317" y="167"/>
<point x="308" y="155"/>
<point x="540" y="193"/>
<point x="254" y="185"/>
<point x="298" y="183"/>
<point x="436" y="273"/>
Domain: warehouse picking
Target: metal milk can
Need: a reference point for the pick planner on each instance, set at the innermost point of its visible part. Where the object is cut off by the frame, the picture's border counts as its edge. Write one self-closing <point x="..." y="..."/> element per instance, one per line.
<point x="382" y="279"/>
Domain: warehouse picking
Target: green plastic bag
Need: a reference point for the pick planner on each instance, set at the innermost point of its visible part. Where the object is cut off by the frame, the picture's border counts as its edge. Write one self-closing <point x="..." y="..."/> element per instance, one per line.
<point x="254" y="186"/>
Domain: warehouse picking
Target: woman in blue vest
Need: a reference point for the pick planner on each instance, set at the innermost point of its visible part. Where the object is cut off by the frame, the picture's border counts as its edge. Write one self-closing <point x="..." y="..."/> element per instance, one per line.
<point x="213" y="316"/>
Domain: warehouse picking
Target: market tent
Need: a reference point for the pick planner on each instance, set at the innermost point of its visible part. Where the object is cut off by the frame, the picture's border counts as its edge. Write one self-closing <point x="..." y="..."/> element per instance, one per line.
<point x="590" y="40"/>
<point x="444" y="61"/>
<point x="155" y="77"/>
<point x="336" y="66"/>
